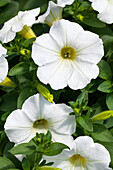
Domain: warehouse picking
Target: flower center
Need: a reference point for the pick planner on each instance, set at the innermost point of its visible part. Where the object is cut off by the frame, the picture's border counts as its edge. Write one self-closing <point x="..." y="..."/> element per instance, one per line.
<point x="68" y="53"/>
<point x="41" y="123"/>
<point x="78" y="160"/>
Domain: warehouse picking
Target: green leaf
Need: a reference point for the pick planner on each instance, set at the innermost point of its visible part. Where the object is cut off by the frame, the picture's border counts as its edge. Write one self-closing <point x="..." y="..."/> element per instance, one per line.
<point x="23" y="96"/>
<point x="101" y="133"/>
<point x="9" y="101"/>
<point x="4" y="2"/>
<point x="47" y="168"/>
<point x="19" y="69"/>
<point x="93" y="21"/>
<point x="25" y="164"/>
<point x="83" y="98"/>
<point x="84" y="6"/>
<point x="5" y="163"/>
<point x="7" y="154"/>
<point x="8" y="11"/>
<point x="30" y="4"/>
<point x="85" y="122"/>
<point x="105" y="70"/>
<point x="13" y="169"/>
<point x="29" y="41"/>
<point x="55" y="149"/>
<point x="109" y="101"/>
<point x="48" y="136"/>
<point x="107" y="39"/>
<point x="24" y="148"/>
<point x="109" y="123"/>
<point x="106" y="86"/>
<point x="103" y="115"/>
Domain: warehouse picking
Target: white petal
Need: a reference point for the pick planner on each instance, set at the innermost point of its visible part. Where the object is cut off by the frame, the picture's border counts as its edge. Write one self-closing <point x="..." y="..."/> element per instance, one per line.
<point x="63" y="3"/>
<point x="6" y="33"/>
<point x="92" y="151"/>
<point x="53" y="14"/>
<point x="3" y="68"/>
<point x="97" y="166"/>
<point x="3" y="51"/>
<point x="18" y="127"/>
<point x="99" y="5"/>
<point x="18" y="26"/>
<point x="90" y="71"/>
<point x="107" y="14"/>
<point x="45" y="50"/>
<point x="53" y="74"/>
<point x="34" y="106"/>
<point x="65" y="32"/>
<point x="65" y="139"/>
<point x="88" y="42"/>
<point x="58" y="159"/>
<point x="78" y="79"/>
<point x="28" y="17"/>
<point x="60" y="120"/>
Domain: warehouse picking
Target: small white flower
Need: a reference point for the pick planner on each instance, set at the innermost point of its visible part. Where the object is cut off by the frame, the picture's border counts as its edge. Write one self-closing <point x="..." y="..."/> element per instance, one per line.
<point x="16" y="24"/>
<point x="39" y="115"/>
<point x="52" y="15"/>
<point x="63" y="3"/>
<point x="105" y="9"/>
<point x="67" y="55"/>
<point x="84" y="155"/>
<point x="3" y="63"/>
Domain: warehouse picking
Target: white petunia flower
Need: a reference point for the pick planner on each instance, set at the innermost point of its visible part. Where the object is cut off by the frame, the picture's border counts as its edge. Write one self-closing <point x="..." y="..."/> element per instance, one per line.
<point x="3" y="64"/>
<point x="105" y="9"/>
<point x="16" y="24"/>
<point x="84" y="155"/>
<point x="39" y="115"/>
<point x="52" y="15"/>
<point x="63" y="3"/>
<point x="67" y="55"/>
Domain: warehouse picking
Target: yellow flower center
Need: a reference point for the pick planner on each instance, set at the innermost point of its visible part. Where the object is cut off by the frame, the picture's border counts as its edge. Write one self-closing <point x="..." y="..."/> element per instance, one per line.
<point x="78" y="160"/>
<point x="41" y="123"/>
<point x="68" y="53"/>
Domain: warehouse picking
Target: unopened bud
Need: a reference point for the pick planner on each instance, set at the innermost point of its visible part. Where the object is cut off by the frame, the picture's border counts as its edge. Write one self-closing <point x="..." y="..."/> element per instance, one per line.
<point x="27" y="32"/>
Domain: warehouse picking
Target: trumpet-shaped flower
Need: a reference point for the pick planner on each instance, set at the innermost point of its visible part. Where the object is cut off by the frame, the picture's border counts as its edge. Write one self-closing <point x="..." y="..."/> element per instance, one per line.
<point x="67" y="55"/>
<point x="84" y="155"/>
<point x="38" y="116"/>
<point x="105" y="9"/>
<point x="3" y="64"/>
<point x="52" y="15"/>
<point x="17" y="24"/>
<point x="63" y="3"/>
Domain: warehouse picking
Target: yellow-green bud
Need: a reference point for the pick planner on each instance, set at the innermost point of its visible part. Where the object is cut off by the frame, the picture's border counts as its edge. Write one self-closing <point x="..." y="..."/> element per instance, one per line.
<point x="8" y="83"/>
<point x="103" y="115"/>
<point x="38" y="139"/>
<point x="80" y="17"/>
<point x="44" y="92"/>
<point x="76" y="110"/>
<point x="27" y="32"/>
<point x="25" y="51"/>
